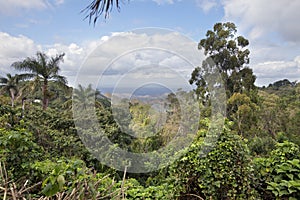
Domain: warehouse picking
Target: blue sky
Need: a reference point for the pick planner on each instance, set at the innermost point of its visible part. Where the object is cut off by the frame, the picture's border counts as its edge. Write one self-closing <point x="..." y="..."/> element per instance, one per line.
<point x="54" y="26"/>
<point x="65" y="23"/>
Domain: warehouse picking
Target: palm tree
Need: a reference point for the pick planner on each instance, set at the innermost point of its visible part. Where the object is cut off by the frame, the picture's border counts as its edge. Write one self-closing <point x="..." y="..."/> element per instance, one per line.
<point x="42" y="69"/>
<point x="9" y="84"/>
<point x="84" y="96"/>
<point x="97" y="7"/>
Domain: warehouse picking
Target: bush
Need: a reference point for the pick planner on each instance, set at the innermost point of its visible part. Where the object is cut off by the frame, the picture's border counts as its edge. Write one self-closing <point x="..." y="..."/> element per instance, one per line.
<point x="18" y="150"/>
<point x="278" y="176"/>
<point x="225" y="173"/>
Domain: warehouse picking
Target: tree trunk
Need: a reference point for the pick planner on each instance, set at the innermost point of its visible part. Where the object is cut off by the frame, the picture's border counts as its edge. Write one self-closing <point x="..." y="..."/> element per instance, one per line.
<point x="45" y="94"/>
<point x="23" y="106"/>
<point x="12" y="96"/>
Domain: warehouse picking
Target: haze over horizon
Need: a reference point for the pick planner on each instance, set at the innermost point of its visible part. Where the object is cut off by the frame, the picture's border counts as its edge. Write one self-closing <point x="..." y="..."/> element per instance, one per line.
<point x="55" y="26"/>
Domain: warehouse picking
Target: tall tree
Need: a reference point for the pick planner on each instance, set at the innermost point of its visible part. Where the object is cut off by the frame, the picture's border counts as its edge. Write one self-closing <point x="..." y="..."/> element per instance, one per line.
<point x="9" y="84"/>
<point x="42" y="69"/>
<point x="230" y="57"/>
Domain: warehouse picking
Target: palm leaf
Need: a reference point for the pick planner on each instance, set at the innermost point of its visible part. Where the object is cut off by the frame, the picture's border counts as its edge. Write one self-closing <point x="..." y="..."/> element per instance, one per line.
<point x="98" y="7"/>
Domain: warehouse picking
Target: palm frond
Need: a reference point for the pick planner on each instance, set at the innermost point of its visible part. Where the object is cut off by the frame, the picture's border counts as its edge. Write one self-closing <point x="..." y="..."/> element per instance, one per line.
<point x="84" y="93"/>
<point x="2" y="89"/>
<point x="54" y="64"/>
<point x="9" y="76"/>
<point x="60" y="79"/>
<point x="58" y="58"/>
<point x="27" y="76"/>
<point x="10" y="81"/>
<point x="42" y="58"/>
<point x="3" y="80"/>
<point x="29" y="64"/>
<point x="98" y="7"/>
<point x="41" y="70"/>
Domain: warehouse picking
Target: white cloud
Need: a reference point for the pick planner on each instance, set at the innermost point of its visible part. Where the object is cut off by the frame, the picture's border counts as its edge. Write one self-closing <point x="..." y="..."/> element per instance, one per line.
<point x="206" y="5"/>
<point x="297" y="60"/>
<point x="131" y="54"/>
<point x="264" y="18"/>
<point x="11" y="7"/>
<point x="274" y="34"/>
<point x="161" y="2"/>
<point x="12" y="48"/>
<point x="271" y="71"/>
<point x="59" y="2"/>
<point x="73" y="54"/>
<point x="17" y="48"/>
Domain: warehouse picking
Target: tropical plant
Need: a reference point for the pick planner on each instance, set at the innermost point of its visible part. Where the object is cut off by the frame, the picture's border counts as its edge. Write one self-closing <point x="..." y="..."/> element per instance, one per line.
<point x="42" y="69"/>
<point x="18" y="149"/>
<point x="278" y="176"/>
<point x="224" y="173"/>
<point x="9" y="84"/>
<point x="96" y="8"/>
<point x="84" y="97"/>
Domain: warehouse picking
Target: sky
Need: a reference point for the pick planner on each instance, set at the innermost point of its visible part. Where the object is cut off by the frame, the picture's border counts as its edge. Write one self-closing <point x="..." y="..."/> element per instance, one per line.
<point x="56" y="26"/>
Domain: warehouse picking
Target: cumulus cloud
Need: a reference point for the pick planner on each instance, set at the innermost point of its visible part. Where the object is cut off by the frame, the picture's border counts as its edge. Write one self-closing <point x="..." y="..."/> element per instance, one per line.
<point x="142" y="57"/>
<point x="274" y="34"/>
<point x="262" y="18"/>
<point x="12" y="48"/>
<point x="17" y="48"/>
<point x="271" y="71"/>
<point x="73" y="54"/>
<point x="138" y="56"/>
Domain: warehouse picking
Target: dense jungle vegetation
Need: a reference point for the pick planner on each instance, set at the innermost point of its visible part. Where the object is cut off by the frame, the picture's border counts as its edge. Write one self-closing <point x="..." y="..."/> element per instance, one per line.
<point x="256" y="155"/>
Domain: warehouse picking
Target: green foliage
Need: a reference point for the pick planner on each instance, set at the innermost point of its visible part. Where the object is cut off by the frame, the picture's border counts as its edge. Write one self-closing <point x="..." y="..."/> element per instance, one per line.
<point x="280" y="108"/>
<point x="10" y="86"/>
<point x="72" y="178"/>
<point x="136" y="191"/>
<point x="9" y="117"/>
<point x="229" y="55"/>
<point x="278" y="175"/>
<point x="18" y="150"/>
<point x="224" y="173"/>
<point x="286" y="182"/>
<point x="42" y="70"/>
<point x="254" y="156"/>
<point x="243" y="113"/>
<point x="261" y="146"/>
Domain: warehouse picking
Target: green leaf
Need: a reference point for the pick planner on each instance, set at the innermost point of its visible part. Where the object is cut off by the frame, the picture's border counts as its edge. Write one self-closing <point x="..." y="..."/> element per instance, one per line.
<point x="50" y="190"/>
<point x="283" y="192"/>
<point x="292" y="198"/>
<point x="61" y="181"/>
<point x="218" y="184"/>
<point x="291" y="176"/>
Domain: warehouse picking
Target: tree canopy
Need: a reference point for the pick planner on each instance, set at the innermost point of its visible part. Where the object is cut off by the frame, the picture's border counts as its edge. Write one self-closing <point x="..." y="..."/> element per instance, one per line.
<point x="45" y="154"/>
<point x="230" y="57"/>
<point x="9" y="84"/>
<point x="42" y="69"/>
